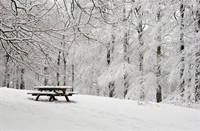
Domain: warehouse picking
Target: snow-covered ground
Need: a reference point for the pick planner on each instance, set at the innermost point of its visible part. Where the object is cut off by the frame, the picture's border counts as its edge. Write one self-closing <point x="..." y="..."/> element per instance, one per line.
<point x="20" y="112"/>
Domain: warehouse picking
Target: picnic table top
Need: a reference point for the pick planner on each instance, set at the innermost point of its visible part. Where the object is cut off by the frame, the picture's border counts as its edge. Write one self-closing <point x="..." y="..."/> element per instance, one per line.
<point x="52" y="87"/>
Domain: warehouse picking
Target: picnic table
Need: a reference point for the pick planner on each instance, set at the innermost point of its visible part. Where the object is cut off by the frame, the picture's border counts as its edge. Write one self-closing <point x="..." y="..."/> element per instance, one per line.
<point x="52" y="92"/>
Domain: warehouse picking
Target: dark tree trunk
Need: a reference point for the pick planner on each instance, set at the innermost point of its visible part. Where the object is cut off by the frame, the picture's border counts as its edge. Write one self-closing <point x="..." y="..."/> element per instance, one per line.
<point x="112" y="47"/>
<point x="17" y="77"/>
<point x="197" y="75"/>
<point x="22" y="84"/>
<point x="158" y="72"/>
<point x="126" y="47"/>
<point x="45" y="77"/>
<point x="110" y="50"/>
<point x="108" y="54"/>
<point x="126" y="58"/>
<point x="197" y="55"/>
<point x="65" y="71"/>
<point x="73" y="77"/>
<point x="126" y="84"/>
<point x="111" y="87"/>
<point x="141" y="43"/>
<point x="182" y="46"/>
<point x="65" y="66"/>
<point x="197" y="18"/>
<point x="6" y="82"/>
<point x="58" y="72"/>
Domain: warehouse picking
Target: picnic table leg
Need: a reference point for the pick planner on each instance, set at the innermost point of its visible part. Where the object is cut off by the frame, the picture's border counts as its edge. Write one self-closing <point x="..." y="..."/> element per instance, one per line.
<point x="52" y="98"/>
<point x="37" y="97"/>
<point x="66" y="97"/>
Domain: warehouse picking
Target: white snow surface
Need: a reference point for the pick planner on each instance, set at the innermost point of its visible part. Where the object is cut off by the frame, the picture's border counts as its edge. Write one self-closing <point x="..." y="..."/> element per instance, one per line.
<point x="20" y="112"/>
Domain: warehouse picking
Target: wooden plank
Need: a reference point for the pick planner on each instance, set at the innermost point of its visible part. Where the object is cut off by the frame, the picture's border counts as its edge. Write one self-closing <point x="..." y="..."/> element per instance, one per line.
<point x="52" y="93"/>
<point x="44" y="92"/>
<point x="53" y="87"/>
<point x="71" y="93"/>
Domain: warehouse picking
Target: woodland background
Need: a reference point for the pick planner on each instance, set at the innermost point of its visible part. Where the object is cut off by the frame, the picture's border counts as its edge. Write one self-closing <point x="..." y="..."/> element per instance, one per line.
<point x="130" y="49"/>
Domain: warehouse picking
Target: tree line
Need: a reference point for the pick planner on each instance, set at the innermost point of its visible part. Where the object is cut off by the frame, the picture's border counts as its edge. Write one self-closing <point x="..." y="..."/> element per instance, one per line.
<point x="132" y="49"/>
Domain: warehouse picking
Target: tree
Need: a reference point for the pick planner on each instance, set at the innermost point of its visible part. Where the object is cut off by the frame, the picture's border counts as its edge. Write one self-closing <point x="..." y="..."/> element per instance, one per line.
<point x="197" y="55"/>
<point x="182" y="45"/>
<point x="158" y="52"/>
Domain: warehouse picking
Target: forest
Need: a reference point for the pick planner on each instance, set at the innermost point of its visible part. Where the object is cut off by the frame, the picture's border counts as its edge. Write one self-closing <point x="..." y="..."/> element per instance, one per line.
<point x="146" y="50"/>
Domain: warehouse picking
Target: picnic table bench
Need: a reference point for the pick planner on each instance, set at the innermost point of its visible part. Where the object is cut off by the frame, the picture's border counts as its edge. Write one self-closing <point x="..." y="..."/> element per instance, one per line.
<point x="52" y="92"/>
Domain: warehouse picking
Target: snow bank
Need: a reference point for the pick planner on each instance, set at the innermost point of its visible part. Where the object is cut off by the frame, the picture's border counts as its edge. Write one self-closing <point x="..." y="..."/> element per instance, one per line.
<point x="20" y="112"/>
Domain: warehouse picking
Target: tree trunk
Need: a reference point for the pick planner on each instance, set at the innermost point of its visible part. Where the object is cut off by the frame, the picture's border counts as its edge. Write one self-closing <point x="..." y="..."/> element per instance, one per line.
<point x="6" y="82"/>
<point x="108" y="54"/>
<point x="158" y="75"/>
<point x="197" y="20"/>
<point x="141" y="57"/>
<point x="17" y="77"/>
<point x="111" y="87"/>
<point x="45" y="77"/>
<point x="58" y="72"/>
<point x="72" y="77"/>
<point x="22" y="84"/>
<point x="126" y="47"/>
<point x="64" y="66"/>
<point x="197" y="75"/>
<point x="158" y="72"/>
<point x="110" y="58"/>
<point x="197" y="55"/>
<point x="126" y="57"/>
<point x="182" y="46"/>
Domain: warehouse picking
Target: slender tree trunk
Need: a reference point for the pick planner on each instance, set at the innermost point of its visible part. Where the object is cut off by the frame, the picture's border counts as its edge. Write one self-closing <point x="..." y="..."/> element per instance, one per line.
<point x="197" y="75"/>
<point x="58" y="72"/>
<point x="126" y="47"/>
<point x="111" y="87"/>
<point x="182" y="46"/>
<point x="110" y="58"/>
<point x="45" y="73"/>
<point x="112" y="46"/>
<point x="65" y="71"/>
<point x="110" y="50"/>
<point x="17" y="77"/>
<point x="197" y="55"/>
<point x="108" y="54"/>
<point x="141" y="55"/>
<point x="158" y="72"/>
<point x="73" y="77"/>
<point x="141" y="58"/>
<point x="22" y="84"/>
<point x="197" y="18"/>
<point x="64" y="66"/>
<point x="6" y="82"/>
<point x="126" y="57"/>
<point x="126" y="84"/>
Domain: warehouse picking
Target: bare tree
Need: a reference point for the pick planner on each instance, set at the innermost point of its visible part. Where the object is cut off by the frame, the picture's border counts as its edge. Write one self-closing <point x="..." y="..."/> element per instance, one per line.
<point x="197" y="55"/>
<point x="182" y="45"/>
<point x="158" y="52"/>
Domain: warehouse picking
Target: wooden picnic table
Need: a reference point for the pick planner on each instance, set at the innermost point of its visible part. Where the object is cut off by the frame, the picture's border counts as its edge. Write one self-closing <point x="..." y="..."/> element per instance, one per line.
<point x="53" y="91"/>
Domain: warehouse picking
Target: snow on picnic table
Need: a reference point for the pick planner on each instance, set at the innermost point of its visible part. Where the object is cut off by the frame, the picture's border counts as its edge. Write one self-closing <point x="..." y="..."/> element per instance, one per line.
<point x="20" y="112"/>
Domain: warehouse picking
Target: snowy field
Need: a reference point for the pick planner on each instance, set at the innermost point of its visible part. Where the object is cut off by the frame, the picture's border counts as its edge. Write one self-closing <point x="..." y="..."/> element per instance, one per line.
<point x="20" y="112"/>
